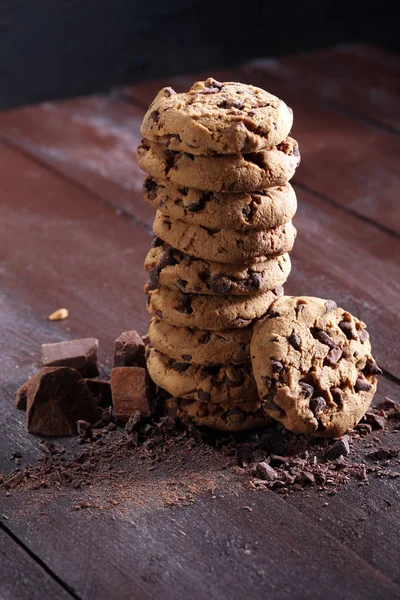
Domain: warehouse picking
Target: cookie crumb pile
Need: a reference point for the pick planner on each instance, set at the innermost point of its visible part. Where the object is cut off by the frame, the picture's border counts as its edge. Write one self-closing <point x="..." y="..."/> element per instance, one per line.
<point x="219" y="161"/>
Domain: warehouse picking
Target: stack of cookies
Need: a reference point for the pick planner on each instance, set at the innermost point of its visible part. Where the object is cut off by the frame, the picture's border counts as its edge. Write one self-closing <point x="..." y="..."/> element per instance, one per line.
<point x="219" y="161"/>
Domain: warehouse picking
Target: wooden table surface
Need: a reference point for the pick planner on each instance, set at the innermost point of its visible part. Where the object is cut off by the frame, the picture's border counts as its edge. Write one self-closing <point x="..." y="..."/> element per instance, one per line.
<point x="74" y="232"/>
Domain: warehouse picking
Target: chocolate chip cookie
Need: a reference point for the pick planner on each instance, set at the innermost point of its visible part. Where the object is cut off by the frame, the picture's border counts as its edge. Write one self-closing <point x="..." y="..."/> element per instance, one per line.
<point x="199" y="346"/>
<point x="224" y="245"/>
<point x="267" y="168"/>
<point x="213" y="313"/>
<point x="313" y="366"/>
<point x="263" y="210"/>
<point x="216" y="416"/>
<point x="222" y="383"/>
<point x="217" y="118"/>
<point x="179" y="271"/>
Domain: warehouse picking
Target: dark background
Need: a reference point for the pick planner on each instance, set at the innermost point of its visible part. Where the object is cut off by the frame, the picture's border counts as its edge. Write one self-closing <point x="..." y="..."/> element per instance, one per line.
<point x="59" y="48"/>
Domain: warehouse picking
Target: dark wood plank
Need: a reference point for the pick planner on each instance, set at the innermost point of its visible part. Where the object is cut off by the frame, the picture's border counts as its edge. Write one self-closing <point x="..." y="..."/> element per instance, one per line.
<point x="201" y="551"/>
<point x="360" y="78"/>
<point x="352" y="163"/>
<point x="322" y="227"/>
<point x="21" y="577"/>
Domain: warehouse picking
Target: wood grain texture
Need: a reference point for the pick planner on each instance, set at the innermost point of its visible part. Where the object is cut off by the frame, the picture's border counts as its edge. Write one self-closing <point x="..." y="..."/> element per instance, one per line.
<point x="21" y="577"/>
<point x="361" y="79"/>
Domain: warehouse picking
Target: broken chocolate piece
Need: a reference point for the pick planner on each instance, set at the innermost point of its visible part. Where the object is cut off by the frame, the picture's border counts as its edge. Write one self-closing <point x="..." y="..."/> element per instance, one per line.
<point x="129" y="392"/>
<point x="57" y="398"/>
<point x="264" y="471"/>
<point x="339" y="448"/>
<point x="101" y="390"/>
<point x="362" y="385"/>
<point x="84" y="429"/>
<point x="21" y="396"/>
<point x="317" y="405"/>
<point x="129" y="350"/>
<point x="376" y="421"/>
<point x="133" y="421"/>
<point x="371" y="368"/>
<point x="76" y="354"/>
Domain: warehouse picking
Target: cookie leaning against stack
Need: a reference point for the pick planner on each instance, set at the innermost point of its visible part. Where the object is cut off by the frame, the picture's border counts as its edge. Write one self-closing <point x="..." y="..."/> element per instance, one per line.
<point x="219" y="161"/>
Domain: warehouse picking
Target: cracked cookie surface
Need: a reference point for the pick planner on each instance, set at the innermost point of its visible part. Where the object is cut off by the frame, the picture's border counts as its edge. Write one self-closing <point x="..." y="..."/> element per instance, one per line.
<point x="217" y="416"/>
<point x="217" y="118"/>
<point x="267" y="168"/>
<point x="313" y="366"/>
<point x="208" y="312"/>
<point x="241" y="211"/>
<point x="224" y="245"/>
<point x="179" y="271"/>
<point x="230" y="384"/>
<point x="200" y="346"/>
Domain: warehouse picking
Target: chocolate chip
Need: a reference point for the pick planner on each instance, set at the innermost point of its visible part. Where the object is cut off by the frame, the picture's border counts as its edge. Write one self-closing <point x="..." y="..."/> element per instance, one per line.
<point x="371" y="368"/>
<point x="364" y="335"/>
<point x="324" y="338"/>
<point x="157" y="242"/>
<point x="270" y="405"/>
<point x="181" y="283"/>
<point x="333" y="356"/>
<point x="277" y="366"/>
<point x="235" y="416"/>
<point x="233" y="383"/>
<point x="200" y="203"/>
<point x="220" y="285"/>
<point x="337" y="396"/>
<point x="154" y="275"/>
<point x="256" y="280"/>
<point x="330" y="306"/>
<point x="184" y="191"/>
<point x="180" y="367"/>
<point x="278" y="291"/>
<point x="159" y="314"/>
<point x="155" y="115"/>
<point x="267" y="381"/>
<point x="348" y="330"/>
<point x="150" y="188"/>
<point x="294" y="340"/>
<point x="362" y="385"/>
<point x="246" y="212"/>
<point x="168" y="91"/>
<point x="317" y="405"/>
<point x="306" y="388"/>
<point x="203" y="396"/>
<point x="185" y="305"/>
<point x="205" y="339"/>
<point x="167" y="258"/>
<point x="187" y="356"/>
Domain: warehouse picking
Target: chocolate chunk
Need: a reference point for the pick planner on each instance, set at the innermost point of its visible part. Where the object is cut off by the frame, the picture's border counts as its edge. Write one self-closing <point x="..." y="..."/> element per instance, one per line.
<point x="324" y="338"/>
<point x="57" y="398"/>
<point x="348" y="330"/>
<point x="330" y="305"/>
<point x="167" y="258"/>
<point x="101" y="391"/>
<point x="205" y="339"/>
<point x="155" y="116"/>
<point x="203" y="396"/>
<point x="220" y="285"/>
<point x="154" y="276"/>
<point x="21" y="396"/>
<point x="376" y="421"/>
<point x="277" y="366"/>
<point x="185" y="305"/>
<point x="187" y="357"/>
<point x="133" y="422"/>
<point x="337" y="396"/>
<point x="294" y="340"/>
<point x="84" y="429"/>
<point x="371" y="368"/>
<point x="200" y="203"/>
<point x="317" y="405"/>
<point x="362" y="385"/>
<point x="306" y="389"/>
<point x="129" y="392"/>
<point x="181" y="367"/>
<point x="129" y="350"/>
<point x="150" y="187"/>
<point x="364" y="335"/>
<point x="340" y="448"/>
<point x="159" y="314"/>
<point x="76" y="354"/>
<point x="264" y="471"/>
<point x="157" y="242"/>
<point x="333" y="356"/>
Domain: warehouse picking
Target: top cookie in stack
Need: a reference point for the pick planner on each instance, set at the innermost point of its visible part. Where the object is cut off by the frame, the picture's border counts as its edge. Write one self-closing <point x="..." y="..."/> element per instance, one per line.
<point x="219" y="160"/>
